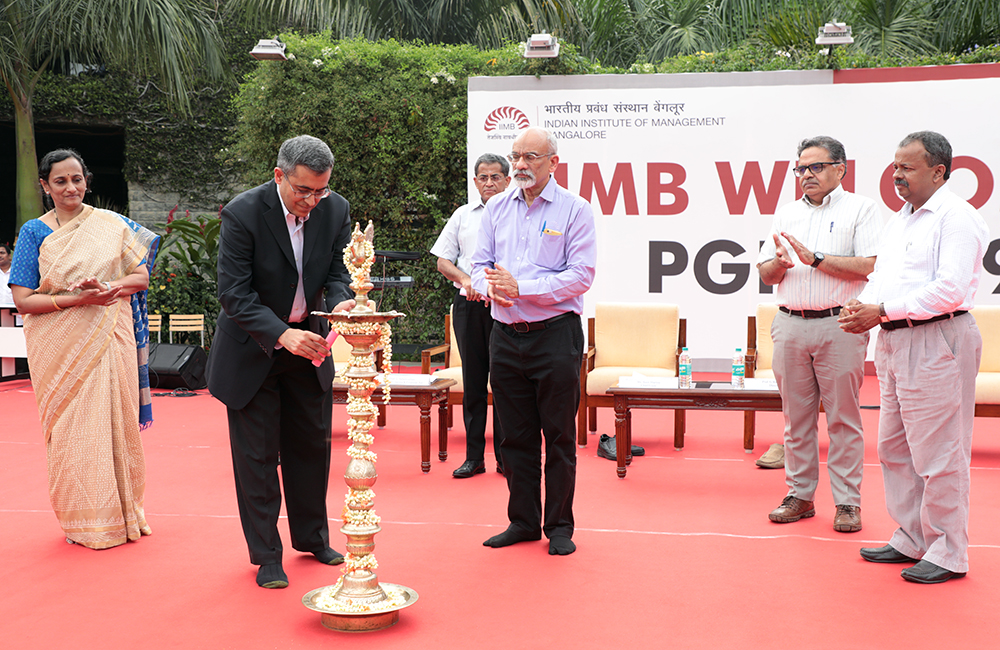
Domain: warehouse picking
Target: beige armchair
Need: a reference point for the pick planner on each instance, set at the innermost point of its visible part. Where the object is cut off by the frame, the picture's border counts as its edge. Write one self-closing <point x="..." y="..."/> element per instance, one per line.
<point x="626" y="338"/>
<point x="988" y="380"/>
<point x="760" y="347"/>
<point x="452" y="367"/>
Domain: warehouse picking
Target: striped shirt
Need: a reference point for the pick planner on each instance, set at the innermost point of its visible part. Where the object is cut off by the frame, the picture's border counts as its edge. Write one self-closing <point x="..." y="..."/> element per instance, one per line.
<point x="845" y="225"/>
<point x="931" y="260"/>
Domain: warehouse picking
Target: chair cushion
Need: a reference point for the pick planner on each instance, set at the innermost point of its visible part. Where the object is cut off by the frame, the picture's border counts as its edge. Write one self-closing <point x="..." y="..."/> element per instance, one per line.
<point x="765" y="346"/>
<point x="635" y="335"/>
<point x="988" y="388"/>
<point x="988" y="319"/>
<point x="599" y="380"/>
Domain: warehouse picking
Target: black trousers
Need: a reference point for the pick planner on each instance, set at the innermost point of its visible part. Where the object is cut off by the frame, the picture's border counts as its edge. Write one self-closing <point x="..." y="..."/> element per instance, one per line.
<point x="536" y="392"/>
<point x="473" y="324"/>
<point x="290" y="415"/>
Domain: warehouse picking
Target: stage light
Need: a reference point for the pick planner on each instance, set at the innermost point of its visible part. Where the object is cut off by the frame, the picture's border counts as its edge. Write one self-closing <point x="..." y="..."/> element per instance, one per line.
<point x="268" y="49"/>
<point x="834" y="34"/>
<point x="541" y="46"/>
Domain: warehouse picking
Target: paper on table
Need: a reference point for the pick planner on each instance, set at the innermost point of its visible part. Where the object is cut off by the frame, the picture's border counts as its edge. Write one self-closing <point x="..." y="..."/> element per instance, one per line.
<point x="407" y="379"/>
<point x="760" y="383"/>
<point x="638" y="380"/>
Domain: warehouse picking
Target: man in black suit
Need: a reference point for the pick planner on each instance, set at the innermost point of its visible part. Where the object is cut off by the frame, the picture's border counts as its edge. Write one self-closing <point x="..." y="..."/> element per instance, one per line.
<point x="280" y="258"/>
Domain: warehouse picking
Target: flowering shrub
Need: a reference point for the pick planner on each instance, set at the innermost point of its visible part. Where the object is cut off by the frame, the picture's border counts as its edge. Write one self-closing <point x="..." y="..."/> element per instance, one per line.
<point x="184" y="280"/>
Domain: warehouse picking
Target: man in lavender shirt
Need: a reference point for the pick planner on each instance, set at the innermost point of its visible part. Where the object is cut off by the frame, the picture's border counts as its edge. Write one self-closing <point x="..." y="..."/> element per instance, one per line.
<point x="535" y="260"/>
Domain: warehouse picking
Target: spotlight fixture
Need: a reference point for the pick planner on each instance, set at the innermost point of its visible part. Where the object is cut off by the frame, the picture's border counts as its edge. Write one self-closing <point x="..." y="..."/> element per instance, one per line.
<point x="541" y="46"/>
<point x="269" y="49"/>
<point x="834" y="34"/>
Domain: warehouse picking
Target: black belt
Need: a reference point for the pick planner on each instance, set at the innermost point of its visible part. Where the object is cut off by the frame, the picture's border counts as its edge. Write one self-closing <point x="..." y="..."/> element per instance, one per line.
<point x="811" y="313"/>
<point x="301" y="325"/>
<point x="906" y="322"/>
<point x="524" y="328"/>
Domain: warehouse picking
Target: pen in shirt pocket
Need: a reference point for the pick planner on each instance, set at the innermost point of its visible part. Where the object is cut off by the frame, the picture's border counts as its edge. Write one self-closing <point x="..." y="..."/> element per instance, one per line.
<point x="546" y="231"/>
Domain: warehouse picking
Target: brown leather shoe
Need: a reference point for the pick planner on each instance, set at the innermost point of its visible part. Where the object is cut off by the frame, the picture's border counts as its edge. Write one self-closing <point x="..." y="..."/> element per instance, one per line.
<point x="792" y="509"/>
<point x="847" y="519"/>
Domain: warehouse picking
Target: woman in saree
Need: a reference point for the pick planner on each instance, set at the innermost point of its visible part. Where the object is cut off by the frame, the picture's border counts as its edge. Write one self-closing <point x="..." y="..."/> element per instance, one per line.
<point x="80" y="275"/>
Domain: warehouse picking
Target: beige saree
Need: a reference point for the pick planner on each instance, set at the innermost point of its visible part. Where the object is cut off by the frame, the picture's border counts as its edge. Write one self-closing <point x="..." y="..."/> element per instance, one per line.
<point x="85" y="373"/>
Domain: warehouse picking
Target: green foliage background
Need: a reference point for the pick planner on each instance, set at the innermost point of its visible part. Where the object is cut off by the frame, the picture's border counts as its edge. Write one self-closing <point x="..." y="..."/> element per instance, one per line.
<point x="394" y="114"/>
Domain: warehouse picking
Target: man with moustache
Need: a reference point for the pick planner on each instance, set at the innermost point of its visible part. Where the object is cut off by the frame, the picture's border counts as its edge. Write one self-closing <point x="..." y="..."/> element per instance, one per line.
<point x="470" y="313"/>
<point x="927" y="357"/>
<point x="281" y="258"/>
<point x="831" y="237"/>
<point x="535" y="260"/>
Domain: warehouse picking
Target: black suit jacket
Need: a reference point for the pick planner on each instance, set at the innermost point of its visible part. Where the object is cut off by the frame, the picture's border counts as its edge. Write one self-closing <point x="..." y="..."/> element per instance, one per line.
<point x="257" y="281"/>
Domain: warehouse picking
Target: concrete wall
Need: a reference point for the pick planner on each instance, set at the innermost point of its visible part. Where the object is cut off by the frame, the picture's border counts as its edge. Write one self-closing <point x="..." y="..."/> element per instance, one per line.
<point x="150" y="207"/>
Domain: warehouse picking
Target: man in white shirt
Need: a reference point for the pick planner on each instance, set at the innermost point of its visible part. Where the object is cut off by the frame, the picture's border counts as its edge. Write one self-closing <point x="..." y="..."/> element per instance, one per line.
<point x="927" y="357"/>
<point x="5" y="296"/>
<point x="471" y="317"/>
<point x="820" y="251"/>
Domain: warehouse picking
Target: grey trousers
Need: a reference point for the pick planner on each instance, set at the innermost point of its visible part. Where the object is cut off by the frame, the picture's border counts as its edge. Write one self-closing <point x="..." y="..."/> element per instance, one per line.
<point x="927" y="379"/>
<point x="815" y="361"/>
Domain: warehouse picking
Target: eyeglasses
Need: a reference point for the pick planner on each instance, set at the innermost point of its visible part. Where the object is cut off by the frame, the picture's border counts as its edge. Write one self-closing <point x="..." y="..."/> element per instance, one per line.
<point x="305" y="194"/>
<point x="483" y="178"/>
<point x="815" y="168"/>
<point x="528" y="157"/>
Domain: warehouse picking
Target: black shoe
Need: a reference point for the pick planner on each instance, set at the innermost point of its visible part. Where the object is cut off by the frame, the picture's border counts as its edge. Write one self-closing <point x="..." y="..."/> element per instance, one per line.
<point x="928" y="573"/>
<point x="329" y="556"/>
<point x="607" y="448"/>
<point x="500" y="469"/>
<point x="885" y="555"/>
<point x="271" y="576"/>
<point x="469" y="469"/>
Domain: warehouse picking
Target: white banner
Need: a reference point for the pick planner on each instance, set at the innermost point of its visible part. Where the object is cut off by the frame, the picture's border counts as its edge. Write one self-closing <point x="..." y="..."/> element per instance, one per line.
<point x="685" y="171"/>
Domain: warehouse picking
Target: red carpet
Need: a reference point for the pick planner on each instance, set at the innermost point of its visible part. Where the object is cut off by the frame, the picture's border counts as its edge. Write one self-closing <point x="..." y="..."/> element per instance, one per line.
<point x="680" y="554"/>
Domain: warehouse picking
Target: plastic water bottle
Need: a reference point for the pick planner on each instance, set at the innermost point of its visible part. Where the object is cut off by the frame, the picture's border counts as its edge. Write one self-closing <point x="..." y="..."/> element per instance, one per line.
<point x="739" y="369"/>
<point x="684" y="369"/>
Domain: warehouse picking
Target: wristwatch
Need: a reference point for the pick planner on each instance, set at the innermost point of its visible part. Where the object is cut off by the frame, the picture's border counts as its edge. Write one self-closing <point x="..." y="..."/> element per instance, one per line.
<point x="881" y="314"/>
<point x="817" y="258"/>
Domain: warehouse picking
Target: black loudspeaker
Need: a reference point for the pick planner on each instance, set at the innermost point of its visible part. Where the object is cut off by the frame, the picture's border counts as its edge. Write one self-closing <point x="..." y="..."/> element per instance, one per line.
<point x="177" y="366"/>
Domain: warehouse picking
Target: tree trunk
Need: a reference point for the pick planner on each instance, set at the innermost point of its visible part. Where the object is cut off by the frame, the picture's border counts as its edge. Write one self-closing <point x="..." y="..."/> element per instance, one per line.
<point x="29" y="193"/>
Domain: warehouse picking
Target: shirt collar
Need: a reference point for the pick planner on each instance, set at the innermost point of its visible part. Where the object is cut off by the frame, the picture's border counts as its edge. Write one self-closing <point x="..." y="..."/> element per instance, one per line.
<point x="289" y="217"/>
<point x="835" y="195"/>
<point x="548" y="192"/>
<point x="933" y="203"/>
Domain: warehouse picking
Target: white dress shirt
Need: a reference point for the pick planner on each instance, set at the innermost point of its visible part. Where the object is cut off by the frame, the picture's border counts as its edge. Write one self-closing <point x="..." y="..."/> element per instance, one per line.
<point x="457" y="241"/>
<point x="843" y="224"/>
<point x="931" y="260"/>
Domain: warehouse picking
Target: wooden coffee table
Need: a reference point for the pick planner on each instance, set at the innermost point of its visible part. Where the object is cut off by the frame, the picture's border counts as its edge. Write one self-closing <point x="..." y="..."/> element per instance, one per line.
<point x="700" y="397"/>
<point x="423" y="397"/>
